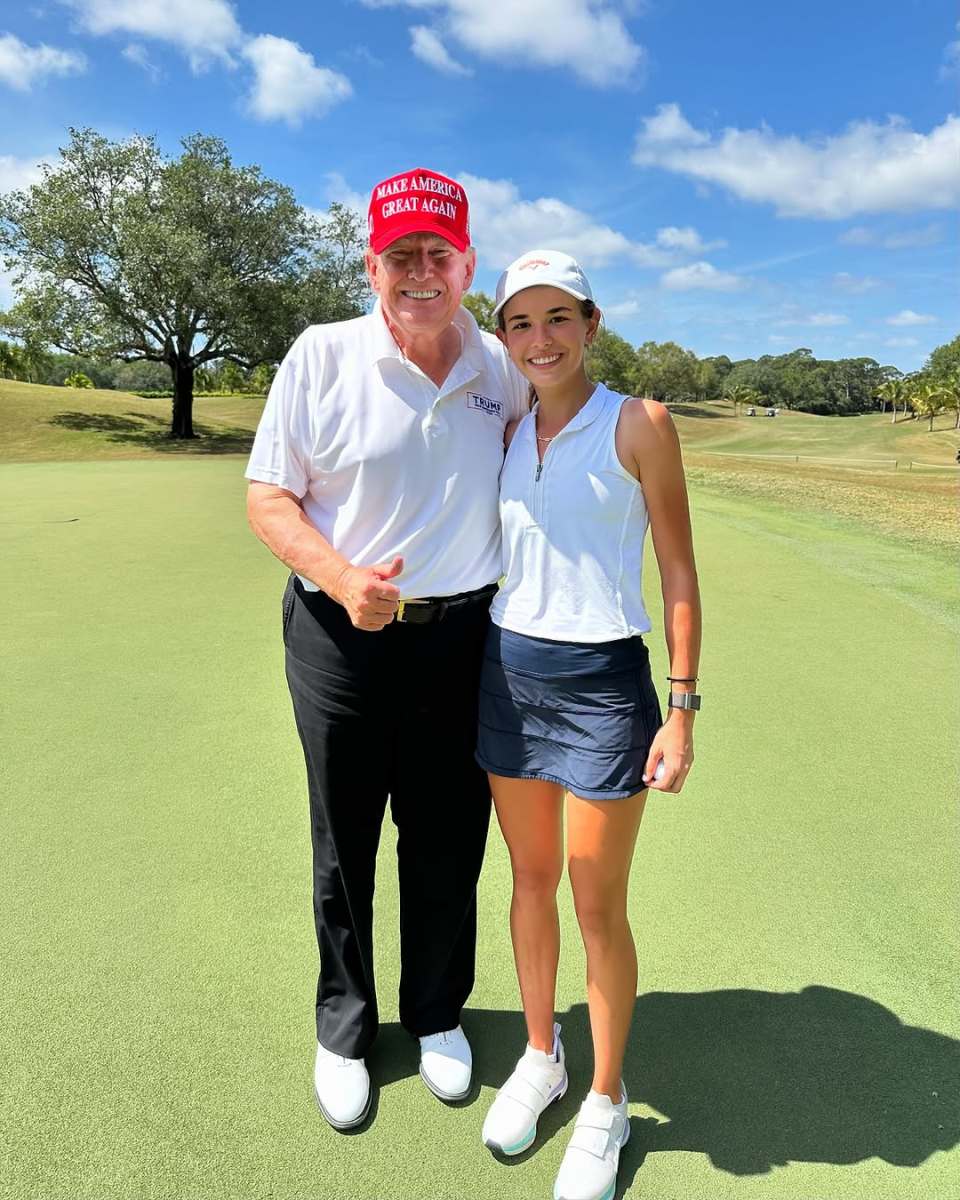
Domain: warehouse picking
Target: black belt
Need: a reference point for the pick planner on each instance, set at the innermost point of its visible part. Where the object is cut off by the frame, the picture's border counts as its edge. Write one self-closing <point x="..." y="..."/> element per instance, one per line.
<point x="435" y="608"/>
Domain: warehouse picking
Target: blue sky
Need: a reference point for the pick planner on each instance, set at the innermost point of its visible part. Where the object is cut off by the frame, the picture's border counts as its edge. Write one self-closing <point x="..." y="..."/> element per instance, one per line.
<point x="741" y="177"/>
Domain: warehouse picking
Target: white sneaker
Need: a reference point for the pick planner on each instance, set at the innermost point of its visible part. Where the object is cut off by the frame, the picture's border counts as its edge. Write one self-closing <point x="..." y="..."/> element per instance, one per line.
<point x="589" y="1167"/>
<point x="537" y="1080"/>
<point x="446" y="1064"/>
<point x="342" y="1088"/>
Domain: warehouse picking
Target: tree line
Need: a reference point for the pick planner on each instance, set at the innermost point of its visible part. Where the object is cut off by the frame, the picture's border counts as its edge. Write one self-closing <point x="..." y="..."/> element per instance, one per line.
<point x="35" y="364"/>
<point x="668" y="372"/>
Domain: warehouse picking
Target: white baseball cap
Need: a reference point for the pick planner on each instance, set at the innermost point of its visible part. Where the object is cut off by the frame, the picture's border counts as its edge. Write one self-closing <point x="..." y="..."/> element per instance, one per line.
<point x="542" y="268"/>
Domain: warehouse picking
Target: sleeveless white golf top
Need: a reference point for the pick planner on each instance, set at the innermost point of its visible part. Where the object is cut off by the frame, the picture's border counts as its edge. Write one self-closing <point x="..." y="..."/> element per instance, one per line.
<point x="573" y="532"/>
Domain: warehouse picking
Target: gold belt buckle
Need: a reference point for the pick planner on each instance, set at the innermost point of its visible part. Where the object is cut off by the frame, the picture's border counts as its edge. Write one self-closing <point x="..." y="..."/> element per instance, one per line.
<point x="400" y="607"/>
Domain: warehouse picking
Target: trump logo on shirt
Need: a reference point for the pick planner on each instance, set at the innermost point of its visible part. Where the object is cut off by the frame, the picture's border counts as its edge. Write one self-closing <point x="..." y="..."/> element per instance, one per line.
<point x="483" y="404"/>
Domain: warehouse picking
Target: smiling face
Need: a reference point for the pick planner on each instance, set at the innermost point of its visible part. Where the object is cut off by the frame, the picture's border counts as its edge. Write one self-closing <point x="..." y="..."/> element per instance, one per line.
<point x="420" y="280"/>
<point x="545" y="332"/>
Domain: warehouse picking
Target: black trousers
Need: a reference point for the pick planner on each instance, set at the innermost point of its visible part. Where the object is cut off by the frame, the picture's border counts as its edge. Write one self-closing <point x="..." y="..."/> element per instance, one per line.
<point x="391" y="715"/>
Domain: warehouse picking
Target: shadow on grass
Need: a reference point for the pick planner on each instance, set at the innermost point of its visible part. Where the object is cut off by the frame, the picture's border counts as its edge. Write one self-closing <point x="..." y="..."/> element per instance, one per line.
<point x="690" y="410"/>
<point x="752" y="1079"/>
<point x="152" y="432"/>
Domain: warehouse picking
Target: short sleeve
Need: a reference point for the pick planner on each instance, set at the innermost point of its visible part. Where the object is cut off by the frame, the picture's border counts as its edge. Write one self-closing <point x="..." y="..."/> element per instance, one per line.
<point x="282" y="448"/>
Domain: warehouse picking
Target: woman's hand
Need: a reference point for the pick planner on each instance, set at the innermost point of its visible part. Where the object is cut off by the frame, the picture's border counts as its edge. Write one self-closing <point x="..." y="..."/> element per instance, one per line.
<point x="674" y="745"/>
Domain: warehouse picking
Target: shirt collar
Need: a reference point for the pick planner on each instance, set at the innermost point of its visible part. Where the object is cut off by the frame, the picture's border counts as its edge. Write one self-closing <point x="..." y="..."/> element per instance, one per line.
<point x="586" y="415"/>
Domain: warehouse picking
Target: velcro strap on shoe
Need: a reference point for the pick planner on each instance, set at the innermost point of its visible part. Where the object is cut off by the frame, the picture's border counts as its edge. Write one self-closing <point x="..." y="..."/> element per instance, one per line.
<point x="524" y="1090"/>
<point x="590" y="1140"/>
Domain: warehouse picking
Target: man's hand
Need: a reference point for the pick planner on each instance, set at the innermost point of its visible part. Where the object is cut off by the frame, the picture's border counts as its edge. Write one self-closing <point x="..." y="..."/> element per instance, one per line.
<point x="366" y="593"/>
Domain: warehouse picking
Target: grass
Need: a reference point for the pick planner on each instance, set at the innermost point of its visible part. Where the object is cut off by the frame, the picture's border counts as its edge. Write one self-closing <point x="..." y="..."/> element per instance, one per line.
<point x="714" y="428"/>
<point x="796" y="1036"/>
<point x="53" y="424"/>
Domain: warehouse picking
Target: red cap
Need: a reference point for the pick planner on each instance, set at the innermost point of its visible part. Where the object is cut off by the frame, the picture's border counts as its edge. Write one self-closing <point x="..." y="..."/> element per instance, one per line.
<point x="418" y="201"/>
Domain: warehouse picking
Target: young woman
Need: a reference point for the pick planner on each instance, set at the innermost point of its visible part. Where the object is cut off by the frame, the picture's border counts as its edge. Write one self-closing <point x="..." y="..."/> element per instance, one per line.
<point x="567" y="702"/>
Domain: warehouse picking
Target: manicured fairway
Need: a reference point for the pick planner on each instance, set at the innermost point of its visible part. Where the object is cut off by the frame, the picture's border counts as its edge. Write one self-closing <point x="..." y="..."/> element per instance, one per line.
<point x="795" y="909"/>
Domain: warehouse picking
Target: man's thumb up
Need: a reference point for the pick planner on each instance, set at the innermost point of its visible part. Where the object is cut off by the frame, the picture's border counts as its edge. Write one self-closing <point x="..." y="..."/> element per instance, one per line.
<point x="388" y="570"/>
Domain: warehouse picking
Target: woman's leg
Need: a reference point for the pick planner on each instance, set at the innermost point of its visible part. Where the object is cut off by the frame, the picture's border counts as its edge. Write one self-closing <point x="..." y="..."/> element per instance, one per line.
<point x="530" y="814"/>
<point x="601" y="835"/>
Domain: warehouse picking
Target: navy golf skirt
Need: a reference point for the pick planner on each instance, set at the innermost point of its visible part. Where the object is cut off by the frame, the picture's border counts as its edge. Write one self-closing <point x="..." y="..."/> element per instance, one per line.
<point x="579" y="714"/>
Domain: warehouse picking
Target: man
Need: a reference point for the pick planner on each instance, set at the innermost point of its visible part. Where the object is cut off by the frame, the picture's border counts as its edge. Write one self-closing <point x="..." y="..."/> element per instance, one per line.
<point x="374" y="477"/>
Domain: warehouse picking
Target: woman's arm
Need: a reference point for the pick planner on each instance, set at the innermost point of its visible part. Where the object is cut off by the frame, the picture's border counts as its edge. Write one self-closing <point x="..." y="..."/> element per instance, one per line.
<point x="651" y="439"/>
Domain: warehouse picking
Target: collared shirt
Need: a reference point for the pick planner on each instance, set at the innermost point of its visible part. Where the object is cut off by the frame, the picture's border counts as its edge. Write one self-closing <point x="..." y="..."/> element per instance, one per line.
<point x="383" y="461"/>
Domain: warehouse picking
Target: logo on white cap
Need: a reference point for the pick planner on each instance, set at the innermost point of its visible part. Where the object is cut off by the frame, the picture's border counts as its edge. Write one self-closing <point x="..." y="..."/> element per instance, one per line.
<point x="542" y="268"/>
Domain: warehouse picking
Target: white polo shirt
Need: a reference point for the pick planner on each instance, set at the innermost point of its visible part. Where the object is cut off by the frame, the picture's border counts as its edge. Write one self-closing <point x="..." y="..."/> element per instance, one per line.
<point x="383" y="461"/>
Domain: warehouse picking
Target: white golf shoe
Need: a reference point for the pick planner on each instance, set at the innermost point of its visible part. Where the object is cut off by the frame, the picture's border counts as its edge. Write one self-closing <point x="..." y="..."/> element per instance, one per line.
<point x="342" y="1088"/>
<point x="446" y="1064"/>
<point x="537" y="1080"/>
<point x="589" y="1167"/>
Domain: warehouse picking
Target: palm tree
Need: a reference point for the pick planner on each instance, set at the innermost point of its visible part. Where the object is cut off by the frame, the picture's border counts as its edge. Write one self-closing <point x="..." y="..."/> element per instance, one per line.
<point x="927" y="398"/>
<point x="741" y="394"/>
<point x="894" y="391"/>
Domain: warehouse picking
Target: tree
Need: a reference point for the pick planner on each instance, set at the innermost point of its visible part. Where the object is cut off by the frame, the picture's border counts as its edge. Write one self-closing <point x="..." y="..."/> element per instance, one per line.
<point x="261" y="378"/>
<point x="740" y="394"/>
<point x="481" y="305"/>
<point x="122" y="253"/>
<point x="78" y="380"/>
<point x="896" y="391"/>
<point x="666" y="371"/>
<point x="611" y="359"/>
<point x="927" y="397"/>
<point x="944" y="360"/>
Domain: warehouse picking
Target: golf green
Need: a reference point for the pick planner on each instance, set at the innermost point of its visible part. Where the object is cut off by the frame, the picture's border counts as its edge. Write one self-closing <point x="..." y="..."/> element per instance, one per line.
<point x="796" y="1032"/>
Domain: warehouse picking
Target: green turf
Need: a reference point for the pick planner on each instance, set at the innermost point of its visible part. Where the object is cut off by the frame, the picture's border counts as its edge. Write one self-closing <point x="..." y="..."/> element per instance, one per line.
<point x="797" y="1029"/>
<point x="47" y="424"/>
<point x="869" y="438"/>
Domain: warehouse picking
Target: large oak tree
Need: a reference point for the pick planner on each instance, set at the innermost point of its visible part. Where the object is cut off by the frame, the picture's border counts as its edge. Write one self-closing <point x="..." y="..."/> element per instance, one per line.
<point x="121" y="252"/>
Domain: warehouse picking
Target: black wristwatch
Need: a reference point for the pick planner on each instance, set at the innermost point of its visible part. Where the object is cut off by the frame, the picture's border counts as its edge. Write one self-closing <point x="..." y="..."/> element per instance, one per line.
<point x="684" y="700"/>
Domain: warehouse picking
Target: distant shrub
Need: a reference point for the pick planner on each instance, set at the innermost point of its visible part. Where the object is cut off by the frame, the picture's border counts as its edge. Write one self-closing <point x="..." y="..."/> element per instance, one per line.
<point x="78" y="380"/>
<point x="156" y="394"/>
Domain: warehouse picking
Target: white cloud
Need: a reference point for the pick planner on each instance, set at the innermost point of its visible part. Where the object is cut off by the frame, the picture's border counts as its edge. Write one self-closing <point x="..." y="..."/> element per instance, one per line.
<point x="901" y="341"/>
<point x="19" y="173"/>
<point x="137" y="53"/>
<point x="856" y="285"/>
<point x="817" y="320"/>
<point x="504" y="225"/>
<point x="202" y="29"/>
<point x="905" y="239"/>
<point x="914" y="239"/>
<point x="685" y="239"/>
<point x="867" y="168"/>
<point x="429" y="49"/>
<point x="951" y="59"/>
<point x="288" y="84"/>
<point x="587" y="36"/>
<point x="700" y="275"/>
<point x="626" y="308"/>
<point x="338" y="189"/>
<point x="908" y="317"/>
<point x="21" y="66"/>
<point x="859" y="235"/>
